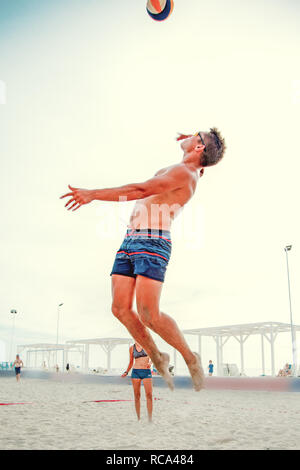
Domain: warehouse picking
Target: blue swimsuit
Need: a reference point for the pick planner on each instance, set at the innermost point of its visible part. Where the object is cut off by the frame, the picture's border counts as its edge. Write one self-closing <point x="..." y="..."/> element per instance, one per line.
<point x="144" y="252"/>
<point x="140" y="373"/>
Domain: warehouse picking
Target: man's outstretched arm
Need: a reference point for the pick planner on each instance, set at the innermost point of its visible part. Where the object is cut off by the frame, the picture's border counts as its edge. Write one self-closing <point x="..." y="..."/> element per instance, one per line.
<point x="174" y="179"/>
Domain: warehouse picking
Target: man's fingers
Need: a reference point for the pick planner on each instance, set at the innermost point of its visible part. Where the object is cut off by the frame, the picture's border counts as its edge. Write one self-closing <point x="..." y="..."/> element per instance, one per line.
<point x="77" y="207"/>
<point x="71" y="200"/>
<point x="73" y="205"/>
<point x="76" y="200"/>
<point x="66" y="195"/>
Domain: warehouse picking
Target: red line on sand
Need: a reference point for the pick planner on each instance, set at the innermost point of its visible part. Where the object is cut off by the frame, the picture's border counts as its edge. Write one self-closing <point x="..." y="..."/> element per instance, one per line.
<point x="112" y="401"/>
<point x="91" y="401"/>
<point x="106" y="401"/>
<point x="6" y="404"/>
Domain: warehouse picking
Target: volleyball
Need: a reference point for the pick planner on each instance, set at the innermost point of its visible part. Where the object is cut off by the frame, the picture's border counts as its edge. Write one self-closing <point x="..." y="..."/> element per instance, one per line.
<point x="160" y="10"/>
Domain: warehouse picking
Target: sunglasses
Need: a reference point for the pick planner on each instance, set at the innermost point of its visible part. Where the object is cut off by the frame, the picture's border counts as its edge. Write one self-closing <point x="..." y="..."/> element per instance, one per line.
<point x="199" y="134"/>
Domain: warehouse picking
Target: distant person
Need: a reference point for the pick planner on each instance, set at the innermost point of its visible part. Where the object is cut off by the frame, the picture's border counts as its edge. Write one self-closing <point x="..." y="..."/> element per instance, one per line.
<point x="68" y="367"/>
<point x="57" y="368"/>
<point x="210" y="368"/>
<point x="285" y="372"/>
<point x="288" y="369"/>
<point x="141" y="363"/>
<point x="18" y="364"/>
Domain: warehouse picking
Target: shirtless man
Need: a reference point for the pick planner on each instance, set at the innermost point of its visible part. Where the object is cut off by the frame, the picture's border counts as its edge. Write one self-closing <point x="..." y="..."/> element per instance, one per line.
<point x="18" y="364"/>
<point x="142" y="259"/>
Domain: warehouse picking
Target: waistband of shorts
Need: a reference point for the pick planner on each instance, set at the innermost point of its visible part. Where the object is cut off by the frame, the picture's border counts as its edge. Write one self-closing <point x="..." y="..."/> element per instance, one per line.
<point x="149" y="233"/>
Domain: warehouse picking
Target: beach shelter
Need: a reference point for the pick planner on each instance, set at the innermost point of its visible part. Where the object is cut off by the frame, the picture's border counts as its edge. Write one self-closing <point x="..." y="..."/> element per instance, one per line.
<point x="221" y="334"/>
<point x="45" y="350"/>
<point x="107" y="344"/>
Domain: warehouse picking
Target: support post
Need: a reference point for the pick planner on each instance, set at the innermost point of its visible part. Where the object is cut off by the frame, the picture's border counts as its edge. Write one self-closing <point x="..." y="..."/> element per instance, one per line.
<point x="272" y="352"/>
<point x="66" y="357"/>
<point x="108" y="358"/>
<point x="242" y="353"/>
<point x="221" y="356"/>
<point x="81" y="349"/>
<point x="86" y="357"/>
<point x="263" y="355"/>
<point x="218" y="354"/>
<point x="200" y="345"/>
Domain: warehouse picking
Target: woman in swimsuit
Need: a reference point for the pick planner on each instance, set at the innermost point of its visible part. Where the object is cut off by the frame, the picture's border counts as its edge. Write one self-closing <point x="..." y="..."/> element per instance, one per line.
<point x="17" y="365"/>
<point x="141" y="363"/>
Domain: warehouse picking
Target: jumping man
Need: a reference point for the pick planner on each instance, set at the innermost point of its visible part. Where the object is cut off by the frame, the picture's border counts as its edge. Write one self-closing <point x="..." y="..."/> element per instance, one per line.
<point x="141" y="262"/>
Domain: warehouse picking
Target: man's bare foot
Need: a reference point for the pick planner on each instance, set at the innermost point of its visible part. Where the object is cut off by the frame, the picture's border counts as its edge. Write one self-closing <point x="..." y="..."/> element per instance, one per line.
<point x="162" y="367"/>
<point x="197" y="372"/>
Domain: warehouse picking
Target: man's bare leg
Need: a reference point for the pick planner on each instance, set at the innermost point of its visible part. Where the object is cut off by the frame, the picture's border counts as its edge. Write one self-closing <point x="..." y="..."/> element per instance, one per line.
<point x="148" y="293"/>
<point x="123" y="288"/>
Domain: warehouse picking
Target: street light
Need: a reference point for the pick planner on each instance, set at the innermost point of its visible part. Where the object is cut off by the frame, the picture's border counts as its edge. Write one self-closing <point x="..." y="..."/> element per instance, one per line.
<point x="14" y="313"/>
<point x="294" y="344"/>
<point x="59" y="305"/>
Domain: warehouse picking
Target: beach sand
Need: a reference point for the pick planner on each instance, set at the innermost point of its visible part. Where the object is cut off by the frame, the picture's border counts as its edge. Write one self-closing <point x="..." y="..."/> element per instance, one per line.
<point x="58" y="418"/>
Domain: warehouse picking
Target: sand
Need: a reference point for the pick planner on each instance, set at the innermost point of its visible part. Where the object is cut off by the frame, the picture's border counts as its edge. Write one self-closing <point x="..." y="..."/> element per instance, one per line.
<point x="183" y="419"/>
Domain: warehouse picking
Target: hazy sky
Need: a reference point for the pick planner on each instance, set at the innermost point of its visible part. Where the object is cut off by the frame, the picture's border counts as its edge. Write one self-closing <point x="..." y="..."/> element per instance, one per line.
<point x="95" y="93"/>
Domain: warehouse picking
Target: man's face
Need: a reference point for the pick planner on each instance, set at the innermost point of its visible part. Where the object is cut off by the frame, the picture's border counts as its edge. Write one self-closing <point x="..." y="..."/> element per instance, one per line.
<point x="191" y="143"/>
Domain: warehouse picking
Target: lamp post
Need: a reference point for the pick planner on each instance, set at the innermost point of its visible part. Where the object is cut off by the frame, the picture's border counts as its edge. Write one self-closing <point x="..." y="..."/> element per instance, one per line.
<point x="294" y="344"/>
<point x="14" y="313"/>
<point x="57" y="327"/>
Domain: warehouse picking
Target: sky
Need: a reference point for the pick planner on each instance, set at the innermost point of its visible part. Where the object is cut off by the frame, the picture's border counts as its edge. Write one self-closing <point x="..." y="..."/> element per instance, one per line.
<point x="92" y="94"/>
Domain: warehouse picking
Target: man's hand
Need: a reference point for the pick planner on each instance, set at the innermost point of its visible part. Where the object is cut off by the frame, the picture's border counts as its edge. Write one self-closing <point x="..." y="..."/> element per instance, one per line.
<point x="182" y="136"/>
<point x="78" y="197"/>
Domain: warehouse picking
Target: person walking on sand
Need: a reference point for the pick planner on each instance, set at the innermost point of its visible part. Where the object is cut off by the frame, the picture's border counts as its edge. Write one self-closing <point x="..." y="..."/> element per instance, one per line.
<point x="141" y="261"/>
<point x="140" y="361"/>
<point x="18" y="364"/>
<point x="210" y="368"/>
